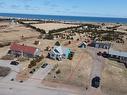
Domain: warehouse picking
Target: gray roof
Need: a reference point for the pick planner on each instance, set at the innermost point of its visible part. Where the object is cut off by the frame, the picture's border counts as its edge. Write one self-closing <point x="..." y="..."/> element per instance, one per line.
<point x="118" y="53"/>
<point x="60" y="50"/>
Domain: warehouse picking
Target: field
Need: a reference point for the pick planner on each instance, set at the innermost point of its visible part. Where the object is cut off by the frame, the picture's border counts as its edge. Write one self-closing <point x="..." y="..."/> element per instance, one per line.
<point x="13" y="33"/>
<point x="51" y="26"/>
<point x="75" y="72"/>
<point x="114" y="79"/>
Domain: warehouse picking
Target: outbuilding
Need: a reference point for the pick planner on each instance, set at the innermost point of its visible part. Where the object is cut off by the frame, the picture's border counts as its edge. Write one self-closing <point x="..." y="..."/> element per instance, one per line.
<point x="83" y="45"/>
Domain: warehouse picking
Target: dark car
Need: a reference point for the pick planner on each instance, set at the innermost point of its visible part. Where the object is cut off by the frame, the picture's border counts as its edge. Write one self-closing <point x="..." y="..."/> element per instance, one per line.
<point x="105" y="54"/>
<point x="70" y="57"/>
<point x="21" y="81"/>
<point x="44" y="65"/>
<point x="14" y="63"/>
<point x="96" y="82"/>
<point x="99" y="53"/>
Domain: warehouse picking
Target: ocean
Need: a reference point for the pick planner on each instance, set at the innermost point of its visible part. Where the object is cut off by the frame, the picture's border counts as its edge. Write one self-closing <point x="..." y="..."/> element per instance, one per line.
<point x="67" y="18"/>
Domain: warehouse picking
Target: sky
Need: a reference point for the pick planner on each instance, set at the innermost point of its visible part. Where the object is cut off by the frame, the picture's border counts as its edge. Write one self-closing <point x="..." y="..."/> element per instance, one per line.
<point x="99" y="8"/>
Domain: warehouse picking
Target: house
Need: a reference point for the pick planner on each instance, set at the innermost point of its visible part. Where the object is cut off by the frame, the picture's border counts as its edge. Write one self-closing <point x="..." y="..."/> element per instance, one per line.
<point x="100" y="45"/>
<point x="59" y="53"/>
<point x="82" y="45"/>
<point x="119" y="55"/>
<point x="23" y="50"/>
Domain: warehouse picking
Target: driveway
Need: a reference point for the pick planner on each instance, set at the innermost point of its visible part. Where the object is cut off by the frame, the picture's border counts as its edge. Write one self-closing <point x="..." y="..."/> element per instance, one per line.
<point x="14" y="70"/>
<point x="97" y="68"/>
<point x="39" y="75"/>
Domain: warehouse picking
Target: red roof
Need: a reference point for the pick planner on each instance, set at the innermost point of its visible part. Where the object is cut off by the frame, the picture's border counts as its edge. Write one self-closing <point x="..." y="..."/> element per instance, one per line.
<point x="23" y="48"/>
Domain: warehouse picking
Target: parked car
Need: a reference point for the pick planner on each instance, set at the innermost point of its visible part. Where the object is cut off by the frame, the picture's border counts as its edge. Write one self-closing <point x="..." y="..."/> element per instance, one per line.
<point x="12" y="79"/>
<point x="21" y="81"/>
<point x="99" y="53"/>
<point x="95" y="82"/>
<point x="44" y="65"/>
<point x="105" y="54"/>
<point x="14" y="63"/>
<point x="71" y="56"/>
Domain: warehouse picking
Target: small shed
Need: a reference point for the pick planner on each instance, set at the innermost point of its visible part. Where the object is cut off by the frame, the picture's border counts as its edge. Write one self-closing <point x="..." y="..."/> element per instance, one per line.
<point x="83" y="45"/>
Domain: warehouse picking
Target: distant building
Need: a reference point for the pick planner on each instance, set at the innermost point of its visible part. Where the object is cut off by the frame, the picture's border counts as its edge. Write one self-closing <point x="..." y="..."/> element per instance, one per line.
<point x="23" y="50"/>
<point x="59" y="53"/>
<point x="118" y="55"/>
<point x="100" y="45"/>
<point x="82" y="45"/>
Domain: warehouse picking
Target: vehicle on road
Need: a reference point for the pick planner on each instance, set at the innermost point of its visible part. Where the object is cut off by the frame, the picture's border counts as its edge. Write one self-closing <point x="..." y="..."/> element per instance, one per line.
<point x="14" y="63"/>
<point x="44" y="65"/>
<point x="95" y="82"/>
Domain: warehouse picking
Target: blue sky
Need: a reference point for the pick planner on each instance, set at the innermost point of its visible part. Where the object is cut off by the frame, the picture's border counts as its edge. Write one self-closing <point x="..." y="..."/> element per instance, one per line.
<point x="101" y="8"/>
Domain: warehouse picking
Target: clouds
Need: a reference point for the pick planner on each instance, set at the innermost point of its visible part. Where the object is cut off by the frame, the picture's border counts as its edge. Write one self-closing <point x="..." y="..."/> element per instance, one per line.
<point x="66" y="7"/>
<point x="2" y="4"/>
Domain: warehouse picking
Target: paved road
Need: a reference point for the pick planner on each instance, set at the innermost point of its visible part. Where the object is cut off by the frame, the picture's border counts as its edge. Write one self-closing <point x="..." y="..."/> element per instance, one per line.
<point x="30" y="87"/>
<point x="21" y="89"/>
<point x="39" y="75"/>
<point x="14" y="70"/>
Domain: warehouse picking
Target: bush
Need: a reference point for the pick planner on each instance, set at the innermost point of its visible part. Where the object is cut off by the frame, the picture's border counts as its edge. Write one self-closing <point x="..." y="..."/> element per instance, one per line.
<point x="22" y="59"/>
<point x="32" y="64"/>
<point x="3" y="44"/>
<point x="39" y="58"/>
<point x="58" y="71"/>
<point x="57" y="43"/>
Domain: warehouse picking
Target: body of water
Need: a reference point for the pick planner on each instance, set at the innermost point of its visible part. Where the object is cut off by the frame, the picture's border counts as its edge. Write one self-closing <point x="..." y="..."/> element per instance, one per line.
<point x="67" y="18"/>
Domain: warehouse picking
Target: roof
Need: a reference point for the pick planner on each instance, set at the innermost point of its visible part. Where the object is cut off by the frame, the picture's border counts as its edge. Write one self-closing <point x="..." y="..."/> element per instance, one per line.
<point x="101" y="43"/>
<point x="23" y="48"/>
<point x="118" y="53"/>
<point x="60" y="50"/>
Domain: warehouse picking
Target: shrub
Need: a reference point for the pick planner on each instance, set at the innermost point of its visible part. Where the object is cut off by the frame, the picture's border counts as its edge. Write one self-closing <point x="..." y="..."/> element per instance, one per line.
<point x="22" y="59"/>
<point x="57" y="43"/>
<point x="58" y="71"/>
<point x="32" y="63"/>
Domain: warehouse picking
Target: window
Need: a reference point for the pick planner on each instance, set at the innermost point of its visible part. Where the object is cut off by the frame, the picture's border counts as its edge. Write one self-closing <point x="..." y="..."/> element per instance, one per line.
<point x="56" y="50"/>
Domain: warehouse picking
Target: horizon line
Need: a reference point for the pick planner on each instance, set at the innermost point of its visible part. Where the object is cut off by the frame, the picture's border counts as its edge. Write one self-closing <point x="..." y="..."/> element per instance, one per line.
<point x="65" y="15"/>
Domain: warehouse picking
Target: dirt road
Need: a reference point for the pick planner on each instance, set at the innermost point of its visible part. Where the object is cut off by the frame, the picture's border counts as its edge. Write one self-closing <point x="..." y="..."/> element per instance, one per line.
<point x="97" y="68"/>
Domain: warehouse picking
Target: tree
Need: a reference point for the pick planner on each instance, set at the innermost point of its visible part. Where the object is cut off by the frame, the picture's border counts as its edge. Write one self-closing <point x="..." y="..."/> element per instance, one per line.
<point x="57" y="43"/>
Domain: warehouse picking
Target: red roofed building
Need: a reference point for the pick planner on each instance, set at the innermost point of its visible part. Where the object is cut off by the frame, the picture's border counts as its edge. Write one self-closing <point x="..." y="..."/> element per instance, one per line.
<point x="24" y="50"/>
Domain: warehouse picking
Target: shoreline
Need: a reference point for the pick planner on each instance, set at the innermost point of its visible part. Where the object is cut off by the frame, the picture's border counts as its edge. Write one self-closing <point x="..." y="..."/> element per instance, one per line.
<point x="64" y="21"/>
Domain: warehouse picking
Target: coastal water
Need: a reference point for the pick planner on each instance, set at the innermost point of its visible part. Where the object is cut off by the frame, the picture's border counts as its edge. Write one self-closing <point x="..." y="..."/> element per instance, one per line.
<point x="67" y="18"/>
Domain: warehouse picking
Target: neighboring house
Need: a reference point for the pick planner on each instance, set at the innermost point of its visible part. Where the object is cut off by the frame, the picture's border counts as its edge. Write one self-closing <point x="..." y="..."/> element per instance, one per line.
<point x="83" y="45"/>
<point x="23" y="50"/>
<point x="118" y="55"/>
<point x="100" y="45"/>
<point x="59" y="53"/>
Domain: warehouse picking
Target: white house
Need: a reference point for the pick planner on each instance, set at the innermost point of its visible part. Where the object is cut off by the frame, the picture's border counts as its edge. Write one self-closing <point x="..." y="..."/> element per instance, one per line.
<point x="59" y="53"/>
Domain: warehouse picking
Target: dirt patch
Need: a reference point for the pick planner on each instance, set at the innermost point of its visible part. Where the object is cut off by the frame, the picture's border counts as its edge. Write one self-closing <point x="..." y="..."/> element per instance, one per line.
<point x="75" y="72"/>
<point x="4" y="71"/>
<point x="114" y="80"/>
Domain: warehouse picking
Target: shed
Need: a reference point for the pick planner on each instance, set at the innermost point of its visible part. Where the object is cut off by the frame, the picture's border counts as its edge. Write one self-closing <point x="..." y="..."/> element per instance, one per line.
<point x="82" y="45"/>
